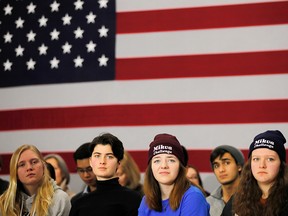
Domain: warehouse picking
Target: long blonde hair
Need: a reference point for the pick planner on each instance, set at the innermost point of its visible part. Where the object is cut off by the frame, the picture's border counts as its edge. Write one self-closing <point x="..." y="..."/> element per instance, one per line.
<point x="11" y="199"/>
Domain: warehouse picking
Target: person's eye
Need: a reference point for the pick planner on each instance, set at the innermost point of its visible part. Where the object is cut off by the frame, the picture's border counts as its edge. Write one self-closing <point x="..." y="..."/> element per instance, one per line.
<point x="270" y="159"/>
<point x="21" y="165"/>
<point x="171" y="160"/>
<point x="215" y="166"/>
<point x="255" y="159"/>
<point x="156" y="161"/>
<point x="110" y="156"/>
<point x="35" y="161"/>
<point x="97" y="156"/>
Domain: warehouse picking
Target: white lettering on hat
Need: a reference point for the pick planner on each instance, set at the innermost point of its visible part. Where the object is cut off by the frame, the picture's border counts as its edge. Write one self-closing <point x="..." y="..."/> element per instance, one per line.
<point x="162" y="149"/>
<point x="264" y="143"/>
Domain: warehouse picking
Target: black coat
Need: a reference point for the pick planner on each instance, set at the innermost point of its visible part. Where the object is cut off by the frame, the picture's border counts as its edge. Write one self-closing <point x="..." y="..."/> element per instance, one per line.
<point x="109" y="199"/>
<point x="3" y="185"/>
<point x="227" y="211"/>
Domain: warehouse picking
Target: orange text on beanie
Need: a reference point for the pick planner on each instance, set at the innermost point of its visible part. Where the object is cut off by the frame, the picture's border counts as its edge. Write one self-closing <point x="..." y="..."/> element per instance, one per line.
<point x="271" y="139"/>
<point x="166" y="144"/>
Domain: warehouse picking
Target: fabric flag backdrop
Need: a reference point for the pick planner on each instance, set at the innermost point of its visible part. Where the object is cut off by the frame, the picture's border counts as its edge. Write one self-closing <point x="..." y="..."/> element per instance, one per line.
<point x="209" y="72"/>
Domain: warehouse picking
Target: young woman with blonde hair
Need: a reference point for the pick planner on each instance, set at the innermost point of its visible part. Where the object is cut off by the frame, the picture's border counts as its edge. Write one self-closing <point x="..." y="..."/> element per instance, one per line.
<point x="31" y="190"/>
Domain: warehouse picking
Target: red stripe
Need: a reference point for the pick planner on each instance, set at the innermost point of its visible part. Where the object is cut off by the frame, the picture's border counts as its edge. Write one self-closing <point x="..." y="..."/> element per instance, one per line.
<point x="265" y="111"/>
<point x="199" y="158"/>
<point x="203" y="18"/>
<point x="253" y="63"/>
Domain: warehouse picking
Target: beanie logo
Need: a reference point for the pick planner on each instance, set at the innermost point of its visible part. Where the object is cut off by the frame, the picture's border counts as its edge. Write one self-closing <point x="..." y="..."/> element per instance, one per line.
<point x="264" y="143"/>
<point x="162" y="149"/>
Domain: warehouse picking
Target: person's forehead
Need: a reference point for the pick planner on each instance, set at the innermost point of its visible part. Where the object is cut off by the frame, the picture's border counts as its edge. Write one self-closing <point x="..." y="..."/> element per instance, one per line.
<point x="164" y="156"/>
<point x="224" y="157"/>
<point x="27" y="155"/>
<point x="100" y="148"/>
<point x="83" y="162"/>
<point x="263" y="151"/>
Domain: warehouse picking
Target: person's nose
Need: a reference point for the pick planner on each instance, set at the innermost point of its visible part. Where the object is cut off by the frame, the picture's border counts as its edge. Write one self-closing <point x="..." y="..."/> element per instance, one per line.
<point x="29" y="166"/>
<point x="102" y="160"/>
<point x="86" y="173"/>
<point x="164" y="164"/>
<point x="221" y="168"/>
<point x="262" y="163"/>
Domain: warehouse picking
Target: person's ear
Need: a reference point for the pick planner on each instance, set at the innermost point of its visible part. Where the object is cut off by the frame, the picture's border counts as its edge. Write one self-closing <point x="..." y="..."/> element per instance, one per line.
<point x="239" y="168"/>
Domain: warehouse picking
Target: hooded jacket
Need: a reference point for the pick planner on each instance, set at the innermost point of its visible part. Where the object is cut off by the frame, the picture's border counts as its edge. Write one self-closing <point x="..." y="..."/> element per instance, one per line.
<point x="60" y="204"/>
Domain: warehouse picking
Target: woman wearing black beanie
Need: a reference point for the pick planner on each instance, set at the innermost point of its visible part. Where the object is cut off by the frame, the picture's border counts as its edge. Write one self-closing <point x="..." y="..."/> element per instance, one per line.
<point x="263" y="188"/>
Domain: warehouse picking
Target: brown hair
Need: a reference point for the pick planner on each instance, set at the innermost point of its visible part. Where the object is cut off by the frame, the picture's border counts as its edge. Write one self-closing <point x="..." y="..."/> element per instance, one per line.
<point x="153" y="193"/>
<point x="247" y="197"/>
<point x="131" y="169"/>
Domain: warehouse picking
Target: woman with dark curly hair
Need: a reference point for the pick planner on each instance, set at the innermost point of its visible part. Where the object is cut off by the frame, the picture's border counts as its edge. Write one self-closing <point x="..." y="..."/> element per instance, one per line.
<point x="263" y="188"/>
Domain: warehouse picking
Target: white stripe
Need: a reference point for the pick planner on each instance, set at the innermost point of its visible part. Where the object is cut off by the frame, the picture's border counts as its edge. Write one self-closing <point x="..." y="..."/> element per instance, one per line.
<point x="139" y="138"/>
<point x="212" y="41"/>
<point x="146" y="91"/>
<point x="142" y="5"/>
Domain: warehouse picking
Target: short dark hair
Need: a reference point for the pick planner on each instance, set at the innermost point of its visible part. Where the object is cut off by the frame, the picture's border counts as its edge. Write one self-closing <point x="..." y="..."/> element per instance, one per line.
<point x="233" y="151"/>
<point x="218" y="152"/>
<point x="82" y="152"/>
<point x="113" y="141"/>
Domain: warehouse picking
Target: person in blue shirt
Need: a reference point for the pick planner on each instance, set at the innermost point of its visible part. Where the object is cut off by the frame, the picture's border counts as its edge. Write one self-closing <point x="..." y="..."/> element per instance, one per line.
<point x="167" y="190"/>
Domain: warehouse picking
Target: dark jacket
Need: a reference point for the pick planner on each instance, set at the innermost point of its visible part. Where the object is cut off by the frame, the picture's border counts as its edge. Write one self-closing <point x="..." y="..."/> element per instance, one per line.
<point x="109" y="199"/>
<point x="227" y="211"/>
<point x="3" y="186"/>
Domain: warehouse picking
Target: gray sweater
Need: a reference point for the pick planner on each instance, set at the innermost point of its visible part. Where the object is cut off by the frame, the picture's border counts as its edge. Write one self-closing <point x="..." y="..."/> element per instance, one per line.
<point x="60" y="205"/>
<point x="216" y="202"/>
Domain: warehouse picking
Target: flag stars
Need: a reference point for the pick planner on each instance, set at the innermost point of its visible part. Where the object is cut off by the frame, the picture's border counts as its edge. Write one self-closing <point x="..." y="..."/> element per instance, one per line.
<point x="78" y="5"/>
<point x="7" y="65"/>
<point x="30" y="64"/>
<point x="8" y="9"/>
<point x="91" y="18"/>
<point x="31" y="8"/>
<point x="103" y="60"/>
<point x="19" y="23"/>
<point x="54" y="34"/>
<point x="19" y="51"/>
<point x="43" y="21"/>
<point x="78" y="62"/>
<point x="31" y="36"/>
<point x="66" y="48"/>
<point x="91" y="47"/>
<point x="78" y="33"/>
<point x="42" y="49"/>
<point x="103" y="32"/>
<point x="54" y="6"/>
<point x="54" y="63"/>
<point x="66" y="19"/>
<point x="103" y="3"/>
<point x="8" y="37"/>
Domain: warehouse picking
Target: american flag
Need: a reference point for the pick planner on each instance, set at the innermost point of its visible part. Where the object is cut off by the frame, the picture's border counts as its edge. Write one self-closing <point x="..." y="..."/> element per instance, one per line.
<point x="209" y="72"/>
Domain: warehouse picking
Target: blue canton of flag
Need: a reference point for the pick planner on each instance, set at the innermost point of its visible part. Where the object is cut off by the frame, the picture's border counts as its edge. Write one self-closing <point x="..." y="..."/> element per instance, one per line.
<point x="54" y="41"/>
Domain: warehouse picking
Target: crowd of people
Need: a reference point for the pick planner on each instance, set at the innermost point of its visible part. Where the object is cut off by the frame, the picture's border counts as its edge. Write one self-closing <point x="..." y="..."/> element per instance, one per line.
<point x="39" y="185"/>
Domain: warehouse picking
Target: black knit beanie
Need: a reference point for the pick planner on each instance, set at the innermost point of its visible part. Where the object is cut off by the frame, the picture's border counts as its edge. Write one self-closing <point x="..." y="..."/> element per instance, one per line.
<point x="271" y="139"/>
